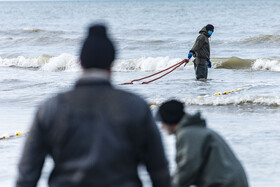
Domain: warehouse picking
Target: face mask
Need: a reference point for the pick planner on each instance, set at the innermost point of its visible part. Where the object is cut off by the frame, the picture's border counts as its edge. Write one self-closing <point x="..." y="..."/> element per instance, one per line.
<point x="210" y="33"/>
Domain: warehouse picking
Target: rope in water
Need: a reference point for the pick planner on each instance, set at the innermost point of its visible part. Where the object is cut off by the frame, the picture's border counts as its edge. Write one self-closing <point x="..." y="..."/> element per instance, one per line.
<point x="223" y="93"/>
<point x="215" y="94"/>
<point x="175" y="66"/>
<point x="18" y="133"/>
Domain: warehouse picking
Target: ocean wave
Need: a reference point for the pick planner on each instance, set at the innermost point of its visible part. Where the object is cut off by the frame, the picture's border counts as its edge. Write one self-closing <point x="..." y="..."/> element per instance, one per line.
<point x="159" y="63"/>
<point x="63" y="62"/>
<point x="145" y="64"/>
<point x="249" y="64"/>
<point x="68" y="62"/>
<point x="272" y="101"/>
<point x="236" y="100"/>
<point x="145" y="41"/>
<point x="232" y="63"/>
<point x="41" y="40"/>
<point x="251" y="42"/>
<point x="266" y="65"/>
<point x="261" y="39"/>
<point x="31" y="30"/>
<point x="21" y="31"/>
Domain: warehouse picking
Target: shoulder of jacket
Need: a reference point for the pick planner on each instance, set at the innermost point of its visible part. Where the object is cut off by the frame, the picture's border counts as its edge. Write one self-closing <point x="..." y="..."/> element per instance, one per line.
<point x="203" y="36"/>
<point x="193" y="131"/>
<point x="49" y="103"/>
<point x="48" y="109"/>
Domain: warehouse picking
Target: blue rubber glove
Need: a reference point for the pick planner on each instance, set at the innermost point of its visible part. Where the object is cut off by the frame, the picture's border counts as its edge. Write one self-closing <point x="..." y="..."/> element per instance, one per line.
<point x="209" y="64"/>
<point x="189" y="55"/>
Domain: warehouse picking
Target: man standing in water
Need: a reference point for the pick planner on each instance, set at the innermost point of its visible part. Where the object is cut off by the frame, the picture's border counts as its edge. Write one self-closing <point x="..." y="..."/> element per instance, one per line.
<point x="96" y="134"/>
<point x="201" y="52"/>
<point x="203" y="158"/>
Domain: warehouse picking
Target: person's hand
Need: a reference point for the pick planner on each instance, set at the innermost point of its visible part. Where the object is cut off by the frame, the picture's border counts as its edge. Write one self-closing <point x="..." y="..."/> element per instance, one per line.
<point x="186" y="61"/>
<point x="209" y="64"/>
<point x="189" y="55"/>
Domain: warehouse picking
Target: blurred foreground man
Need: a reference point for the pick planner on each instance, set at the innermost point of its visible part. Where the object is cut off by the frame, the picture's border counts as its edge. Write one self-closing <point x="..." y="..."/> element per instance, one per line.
<point x="96" y="135"/>
<point x="203" y="158"/>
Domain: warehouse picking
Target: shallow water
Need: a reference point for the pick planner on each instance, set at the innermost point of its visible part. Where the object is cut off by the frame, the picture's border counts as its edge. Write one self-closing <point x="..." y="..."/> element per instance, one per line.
<point x="247" y="119"/>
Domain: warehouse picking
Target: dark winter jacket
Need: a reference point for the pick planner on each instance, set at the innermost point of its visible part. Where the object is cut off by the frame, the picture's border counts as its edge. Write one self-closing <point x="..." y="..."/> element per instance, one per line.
<point x="97" y="136"/>
<point x="204" y="159"/>
<point x="201" y="48"/>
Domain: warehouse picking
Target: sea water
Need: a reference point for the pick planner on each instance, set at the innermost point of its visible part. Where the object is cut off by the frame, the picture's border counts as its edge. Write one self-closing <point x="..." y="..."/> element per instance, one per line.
<point x="39" y="48"/>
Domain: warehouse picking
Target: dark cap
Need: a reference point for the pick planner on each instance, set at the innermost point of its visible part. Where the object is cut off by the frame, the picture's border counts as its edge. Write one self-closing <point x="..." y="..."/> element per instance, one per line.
<point x="210" y="27"/>
<point x="98" y="50"/>
<point x="171" y="112"/>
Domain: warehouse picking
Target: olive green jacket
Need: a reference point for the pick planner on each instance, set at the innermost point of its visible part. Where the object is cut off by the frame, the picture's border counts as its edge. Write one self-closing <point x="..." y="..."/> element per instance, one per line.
<point x="201" y="47"/>
<point x="203" y="158"/>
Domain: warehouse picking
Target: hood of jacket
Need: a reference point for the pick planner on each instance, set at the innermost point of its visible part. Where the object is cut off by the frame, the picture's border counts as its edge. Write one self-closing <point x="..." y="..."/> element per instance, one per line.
<point x="192" y="120"/>
<point x="204" y="31"/>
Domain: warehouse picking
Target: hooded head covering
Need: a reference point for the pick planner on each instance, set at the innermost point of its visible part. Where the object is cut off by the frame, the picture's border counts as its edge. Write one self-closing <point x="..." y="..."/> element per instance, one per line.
<point x="210" y="27"/>
<point x="97" y="51"/>
<point x="205" y="30"/>
<point x="171" y="112"/>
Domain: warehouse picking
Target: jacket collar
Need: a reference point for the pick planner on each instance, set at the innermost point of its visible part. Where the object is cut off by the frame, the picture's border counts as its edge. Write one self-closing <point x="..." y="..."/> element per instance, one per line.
<point x="94" y="73"/>
<point x="94" y="77"/>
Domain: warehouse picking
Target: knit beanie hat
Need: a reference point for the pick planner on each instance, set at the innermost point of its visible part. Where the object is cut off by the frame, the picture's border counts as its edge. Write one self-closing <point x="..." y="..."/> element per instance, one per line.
<point x="171" y="112"/>
<point x="210" y="27"/>
<point x="97" y="51"/>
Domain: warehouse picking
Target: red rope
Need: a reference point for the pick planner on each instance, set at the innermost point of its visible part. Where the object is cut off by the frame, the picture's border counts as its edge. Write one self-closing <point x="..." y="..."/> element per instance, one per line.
<point x="163" y="74"/>
<point x="175" y="67"/>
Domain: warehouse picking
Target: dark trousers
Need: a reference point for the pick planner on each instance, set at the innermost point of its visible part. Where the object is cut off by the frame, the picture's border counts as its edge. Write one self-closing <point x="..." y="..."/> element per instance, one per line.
<point x="201" y="70"/>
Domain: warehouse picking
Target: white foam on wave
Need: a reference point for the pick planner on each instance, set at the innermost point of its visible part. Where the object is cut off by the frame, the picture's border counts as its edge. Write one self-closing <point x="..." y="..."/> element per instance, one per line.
<point x="266" y="65"/>
<point x="37" y="30"/>
<point x="21" y="61"/>
<point x="31" y="30"/>
<point x="234" y="100"/>
<point x="69" y="62"/>
<point x="225" y="100"/>
<point x="148" y="64"/>
<point x="63" y="62"/>
<point x="160" y="63"/>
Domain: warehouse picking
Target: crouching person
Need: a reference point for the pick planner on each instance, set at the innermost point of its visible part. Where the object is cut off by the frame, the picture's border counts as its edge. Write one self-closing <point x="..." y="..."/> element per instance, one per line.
<point x="203" y="157"/>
